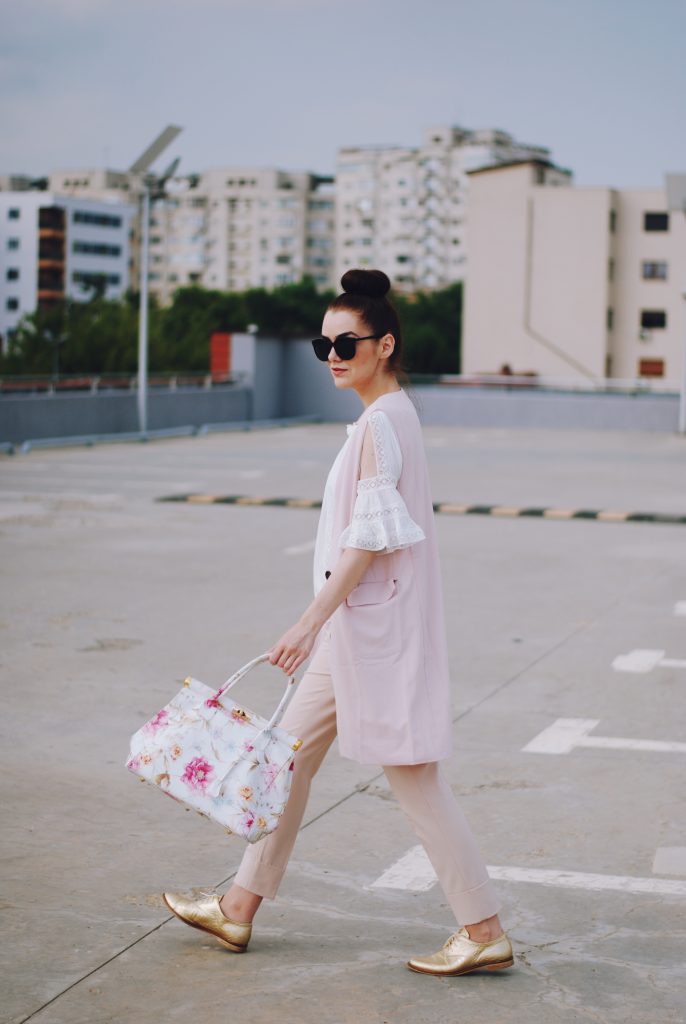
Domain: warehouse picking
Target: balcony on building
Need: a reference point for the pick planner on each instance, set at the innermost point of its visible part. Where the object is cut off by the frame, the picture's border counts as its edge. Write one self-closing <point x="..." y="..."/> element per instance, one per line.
<point x="51" y="222"/>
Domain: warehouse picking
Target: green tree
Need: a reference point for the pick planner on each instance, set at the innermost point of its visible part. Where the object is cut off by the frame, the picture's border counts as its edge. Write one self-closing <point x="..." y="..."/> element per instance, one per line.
<point x="101" y="335"/>
<point x="432" y="328"/>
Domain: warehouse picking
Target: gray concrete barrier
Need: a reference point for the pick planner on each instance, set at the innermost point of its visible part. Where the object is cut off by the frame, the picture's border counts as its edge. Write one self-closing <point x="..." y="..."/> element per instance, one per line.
<point x="25" y="417"/>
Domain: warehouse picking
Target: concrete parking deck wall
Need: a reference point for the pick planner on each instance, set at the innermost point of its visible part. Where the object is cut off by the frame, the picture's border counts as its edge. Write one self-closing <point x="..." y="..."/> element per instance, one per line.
<point x="26" y="417"/>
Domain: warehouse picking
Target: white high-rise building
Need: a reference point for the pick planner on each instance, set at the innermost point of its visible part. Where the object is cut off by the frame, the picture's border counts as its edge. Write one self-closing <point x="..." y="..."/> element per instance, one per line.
<point x="54" y="247"/>
<point x="404" y="209"/>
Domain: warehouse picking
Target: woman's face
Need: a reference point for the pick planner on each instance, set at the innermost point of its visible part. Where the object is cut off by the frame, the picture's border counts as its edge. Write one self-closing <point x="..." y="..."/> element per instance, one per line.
<point x="371" y="355"/>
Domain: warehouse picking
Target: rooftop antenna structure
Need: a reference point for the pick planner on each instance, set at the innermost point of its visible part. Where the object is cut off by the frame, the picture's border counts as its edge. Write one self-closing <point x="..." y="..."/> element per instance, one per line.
<point x="675" y="187"/>
<point x="153" y="188"/>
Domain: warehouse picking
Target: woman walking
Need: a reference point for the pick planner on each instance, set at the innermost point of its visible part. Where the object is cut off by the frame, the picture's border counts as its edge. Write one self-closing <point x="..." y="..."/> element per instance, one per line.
<point x="378" y="678"/>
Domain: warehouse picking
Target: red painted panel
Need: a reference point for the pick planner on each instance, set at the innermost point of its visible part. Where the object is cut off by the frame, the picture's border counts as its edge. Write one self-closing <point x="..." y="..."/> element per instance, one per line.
<point x="220" y="354"/>
<point x="651" y="367"/>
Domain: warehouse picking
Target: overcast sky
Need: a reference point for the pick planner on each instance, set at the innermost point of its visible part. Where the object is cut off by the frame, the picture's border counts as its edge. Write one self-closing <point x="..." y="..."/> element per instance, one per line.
<point x="89" y="83"/>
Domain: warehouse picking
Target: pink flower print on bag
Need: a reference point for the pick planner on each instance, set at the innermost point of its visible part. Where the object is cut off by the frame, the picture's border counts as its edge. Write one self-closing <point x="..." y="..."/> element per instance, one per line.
<point x="245" y="792"/>
<point x="212" y="702"/>
<point x="269" y="774"/>
<point x="157" y="722"/>
<point x="197" y="773"/>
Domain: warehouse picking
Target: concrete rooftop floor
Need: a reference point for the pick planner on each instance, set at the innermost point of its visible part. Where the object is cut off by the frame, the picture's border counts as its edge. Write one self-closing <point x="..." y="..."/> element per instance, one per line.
<point x="110" y="598"/>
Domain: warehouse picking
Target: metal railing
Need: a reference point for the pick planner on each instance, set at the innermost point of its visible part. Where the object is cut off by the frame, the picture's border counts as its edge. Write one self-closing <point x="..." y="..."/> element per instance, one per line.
<point x="94" y="383"/>
<point x="538" y="383"/>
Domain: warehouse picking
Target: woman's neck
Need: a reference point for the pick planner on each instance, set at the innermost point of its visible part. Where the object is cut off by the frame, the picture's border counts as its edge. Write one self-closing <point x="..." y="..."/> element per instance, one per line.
<point x="378" y="388"/>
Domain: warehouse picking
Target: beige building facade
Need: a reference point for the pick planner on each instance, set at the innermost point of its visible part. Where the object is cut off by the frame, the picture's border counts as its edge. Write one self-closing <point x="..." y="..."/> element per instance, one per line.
<point x="572" y="283"/>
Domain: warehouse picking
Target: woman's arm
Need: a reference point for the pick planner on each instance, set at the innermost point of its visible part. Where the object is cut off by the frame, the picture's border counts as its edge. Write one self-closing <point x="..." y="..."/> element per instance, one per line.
<point x="296" y="643"/>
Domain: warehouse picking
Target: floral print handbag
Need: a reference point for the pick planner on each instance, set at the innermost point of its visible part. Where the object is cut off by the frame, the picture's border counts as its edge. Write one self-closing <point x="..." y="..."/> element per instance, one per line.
<point x="223" y="761"/>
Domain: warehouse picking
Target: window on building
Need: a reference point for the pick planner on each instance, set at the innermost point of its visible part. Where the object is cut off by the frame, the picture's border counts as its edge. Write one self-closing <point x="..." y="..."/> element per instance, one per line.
<point x="96" y="249"/>
<point x="610" y="270"/>
<point x="613" y="221"/>
<point x="651" y="368"/>
<point x="12" y="243"/>
<point x="103" y="220"/>
<point x="14" y="213"/>
<point x="653" y="318"/>
<point x="12" y="274"/>
<point x="610" y="318"/>
<point x="656" y="222"/>
<point x="91" y="280"/>
<point x="651" y="271"/>
<point x="12" y="304"/>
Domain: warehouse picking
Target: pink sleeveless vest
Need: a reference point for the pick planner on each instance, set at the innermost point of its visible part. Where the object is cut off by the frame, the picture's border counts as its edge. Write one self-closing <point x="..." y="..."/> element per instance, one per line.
<point x="389" y="658"/>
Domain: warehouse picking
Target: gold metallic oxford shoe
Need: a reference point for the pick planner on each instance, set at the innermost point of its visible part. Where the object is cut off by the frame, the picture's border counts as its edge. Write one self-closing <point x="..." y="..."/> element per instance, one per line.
<point x="205" y="913"/>
<point x="460" y="955"/>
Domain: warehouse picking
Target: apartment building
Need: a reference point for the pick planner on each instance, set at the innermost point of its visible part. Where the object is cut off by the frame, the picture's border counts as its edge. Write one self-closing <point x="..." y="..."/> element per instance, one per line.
<point x="229" y="228"/>
<point x="404" y="209"/>
<point x="52" y="247"/>
<point x="567" y="282"/>
<point x="111" y="186"/>
<point x="242" y="227"/>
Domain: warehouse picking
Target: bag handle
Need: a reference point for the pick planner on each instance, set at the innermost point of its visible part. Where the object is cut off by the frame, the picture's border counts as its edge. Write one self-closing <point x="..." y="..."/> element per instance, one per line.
<point x="283" y="703"/>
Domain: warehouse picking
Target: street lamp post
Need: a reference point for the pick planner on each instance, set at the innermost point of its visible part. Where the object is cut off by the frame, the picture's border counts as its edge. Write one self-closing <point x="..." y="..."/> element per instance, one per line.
<point x="142" y="393"/>
<point x="676" y="200"/>
<point x="153" y="188"/>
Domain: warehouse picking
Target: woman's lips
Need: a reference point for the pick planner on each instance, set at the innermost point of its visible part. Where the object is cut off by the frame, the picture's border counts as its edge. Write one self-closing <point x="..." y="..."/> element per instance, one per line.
<point x="338" y="369"/>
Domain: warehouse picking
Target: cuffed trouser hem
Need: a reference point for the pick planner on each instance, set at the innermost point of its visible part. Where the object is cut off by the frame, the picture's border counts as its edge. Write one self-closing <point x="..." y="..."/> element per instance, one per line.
<point x="262" y="879"/>
<point x="475" y="905"/>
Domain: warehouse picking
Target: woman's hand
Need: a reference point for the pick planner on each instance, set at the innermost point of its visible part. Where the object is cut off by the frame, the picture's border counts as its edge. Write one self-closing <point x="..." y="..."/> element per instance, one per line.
<point x="297" y="642"/>
<point x="293" y="648"/>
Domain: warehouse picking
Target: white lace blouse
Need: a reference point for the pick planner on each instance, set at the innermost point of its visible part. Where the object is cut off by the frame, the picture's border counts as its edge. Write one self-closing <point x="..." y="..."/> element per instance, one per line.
<point x="380" y="519"/>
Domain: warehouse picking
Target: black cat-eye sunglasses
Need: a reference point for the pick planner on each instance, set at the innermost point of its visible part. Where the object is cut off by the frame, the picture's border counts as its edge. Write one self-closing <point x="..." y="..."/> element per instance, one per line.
<point x="344" y="346"/>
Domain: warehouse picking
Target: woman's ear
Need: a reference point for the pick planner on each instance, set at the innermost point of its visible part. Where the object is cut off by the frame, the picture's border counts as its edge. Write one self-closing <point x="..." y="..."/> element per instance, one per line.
<point x="387" y="346"/>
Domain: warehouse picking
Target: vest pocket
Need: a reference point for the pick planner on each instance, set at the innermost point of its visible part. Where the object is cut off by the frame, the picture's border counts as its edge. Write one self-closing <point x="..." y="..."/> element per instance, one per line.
<point x="371" y="592"/>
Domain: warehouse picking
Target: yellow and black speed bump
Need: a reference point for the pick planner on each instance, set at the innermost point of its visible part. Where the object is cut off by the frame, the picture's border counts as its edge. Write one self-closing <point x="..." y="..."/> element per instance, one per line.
<point x="450" y="508"/>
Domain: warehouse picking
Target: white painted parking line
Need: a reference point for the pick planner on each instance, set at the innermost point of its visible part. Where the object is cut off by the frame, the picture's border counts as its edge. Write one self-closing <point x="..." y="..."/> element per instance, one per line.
<point x="670" y="860"/>
<point x="680" y="608"/>
<point x="567" y="733"/>
<point x="645" y="661"/>
<point x="586" y="880"/>
<point x="300" y="549"/>
<point x="414" y="873"/>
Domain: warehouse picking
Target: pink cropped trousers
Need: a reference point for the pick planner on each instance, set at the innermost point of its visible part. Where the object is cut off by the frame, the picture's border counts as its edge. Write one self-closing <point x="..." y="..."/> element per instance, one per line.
<point x="421" y="790"/>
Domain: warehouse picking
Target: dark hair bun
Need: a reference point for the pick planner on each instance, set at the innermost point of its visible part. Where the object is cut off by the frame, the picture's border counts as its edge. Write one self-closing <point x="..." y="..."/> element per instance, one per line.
<point x="373" y="283"/>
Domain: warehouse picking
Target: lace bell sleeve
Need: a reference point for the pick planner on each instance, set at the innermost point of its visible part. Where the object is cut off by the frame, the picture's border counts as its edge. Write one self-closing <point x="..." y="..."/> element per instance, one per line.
<point x="381" y="521"/>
